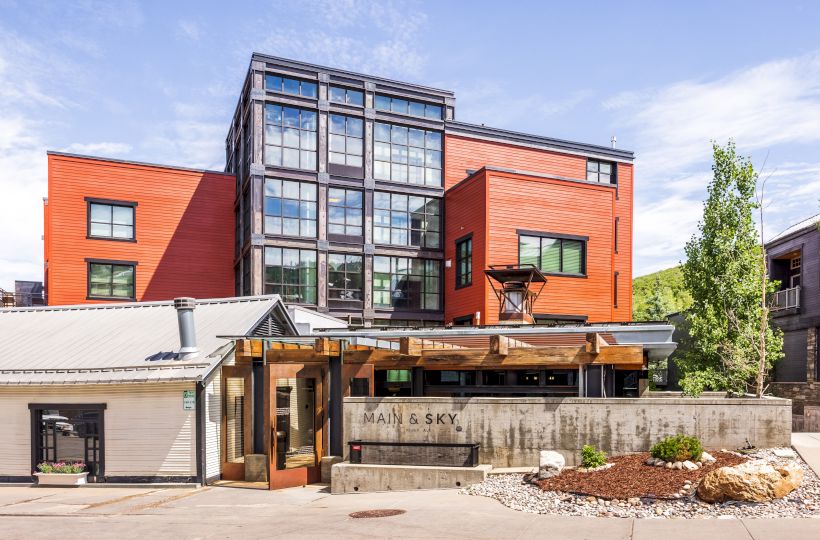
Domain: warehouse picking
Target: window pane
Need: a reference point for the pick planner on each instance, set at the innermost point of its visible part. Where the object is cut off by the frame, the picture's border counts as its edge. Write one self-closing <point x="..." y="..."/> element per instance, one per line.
<point x="291" y="117"/>
<point x="433" y="140"/>
<point x="529" y="250"/>
<point x="399" y="105"/>
<point x="337" y="124"/>
<point x="337" y="94"/>
<point x="606" y="167"/>
<point x="309" y="89"/>
<point x="355" y="127"/>
<point x="381" y="151"/>
<point x="308" y="160"/>
<point x="398" y="135"/>
<point x="272" y="82"/>
<point x="550" y="255"/>
<point x="573" y="257"/>
<point x="381" y="170"/>
<point x="273" y="155"/>
<point x="291" y="138"/>
<point x="123" y="231"/>
<point x="100" y="229"/>
<point x="273" y="114"/>
<point x="273" y="134"/>
<point x="354" y="97"/>
<point x="290" y="158"/>
<point x="291" y="86"/>
<point x="101" y="213"/>
<point x="100" y="273"/>
<point x="382" y="103"/>
<point x="382" y="132"/>
<point x="337" y="144"/>
<point x="309" y="120"/>
<point x="433" y="111"/>
<point x="416" y="108"/>
<point x="307" y="140"/>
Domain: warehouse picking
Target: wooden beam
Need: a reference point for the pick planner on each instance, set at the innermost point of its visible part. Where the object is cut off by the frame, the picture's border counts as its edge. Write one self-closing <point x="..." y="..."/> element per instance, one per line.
<point x="410" y="345"/>
<point x="502" y="344"/>
<point x="595" y="342"/>
<point x="326" y="346"/>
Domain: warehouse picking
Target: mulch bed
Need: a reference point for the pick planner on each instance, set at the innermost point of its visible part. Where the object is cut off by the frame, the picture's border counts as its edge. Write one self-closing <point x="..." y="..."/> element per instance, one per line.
<point x="631" y="477"/>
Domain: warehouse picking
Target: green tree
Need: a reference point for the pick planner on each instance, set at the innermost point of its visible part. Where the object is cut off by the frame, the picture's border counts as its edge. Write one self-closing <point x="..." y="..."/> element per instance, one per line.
<point x="734" y="343"/>
<point x="657" y="307"/>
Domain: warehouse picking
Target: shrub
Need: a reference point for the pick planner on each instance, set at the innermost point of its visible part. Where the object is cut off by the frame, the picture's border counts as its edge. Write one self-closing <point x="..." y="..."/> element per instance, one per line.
<point x="61" y="467"/>
<point x="591" y="458"/>
<point x="677" y="448"/>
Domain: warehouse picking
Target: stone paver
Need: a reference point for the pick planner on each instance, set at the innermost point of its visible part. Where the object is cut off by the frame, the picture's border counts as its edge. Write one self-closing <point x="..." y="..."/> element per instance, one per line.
<point x="808" y="446"/>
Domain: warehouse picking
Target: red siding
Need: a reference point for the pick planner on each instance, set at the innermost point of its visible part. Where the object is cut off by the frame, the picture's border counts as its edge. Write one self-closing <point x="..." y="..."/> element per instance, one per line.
<point x="513" y="201"/>
<point x="184" y="228"/>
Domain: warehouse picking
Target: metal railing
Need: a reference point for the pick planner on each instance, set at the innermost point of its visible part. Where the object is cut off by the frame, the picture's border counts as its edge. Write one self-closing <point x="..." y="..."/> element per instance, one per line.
<point x="9" y="299"/>
<point x="786" y="299"/>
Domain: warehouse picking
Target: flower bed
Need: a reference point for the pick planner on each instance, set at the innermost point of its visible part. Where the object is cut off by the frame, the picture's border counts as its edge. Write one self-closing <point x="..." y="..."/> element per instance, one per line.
<point x="630" y="477"/>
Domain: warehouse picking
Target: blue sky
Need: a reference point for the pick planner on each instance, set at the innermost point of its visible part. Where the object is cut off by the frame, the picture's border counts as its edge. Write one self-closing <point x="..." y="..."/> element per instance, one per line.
<point x="157" y="81"/>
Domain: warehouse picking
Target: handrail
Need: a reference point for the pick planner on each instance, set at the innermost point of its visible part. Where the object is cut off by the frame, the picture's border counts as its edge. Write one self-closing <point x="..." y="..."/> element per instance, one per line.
<point x="786" y="299"/>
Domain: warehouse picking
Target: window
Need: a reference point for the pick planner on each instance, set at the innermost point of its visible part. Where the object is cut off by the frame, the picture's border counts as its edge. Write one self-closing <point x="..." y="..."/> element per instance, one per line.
<point x="344" y="277"/>
<point x="408" y="155"/>
<point x="553" y="255"/>
<point x="290" y="137"/>
<point x="71" y="433"/>
<point x="290" y="208"/>
<point x="617" y="220"/>
<point x="795" y="263"/>
<point x="400" y="282"/>
<point x="615" y="290"/>
<point x="600" y="171"/>
<point x="464" y="263"/>
<point x="346" y="95"/>
<point x="346" y="140"/>
<point x="110" y="220"/>
<point x="405" y="106"/>
<point x="344" y="208"/>
<point x="287" y="85"/>
<point x="406" y="220"/>
<point x="405" y="323"/>
<point x="111" y="280"/>
<point x="291" y="273"/>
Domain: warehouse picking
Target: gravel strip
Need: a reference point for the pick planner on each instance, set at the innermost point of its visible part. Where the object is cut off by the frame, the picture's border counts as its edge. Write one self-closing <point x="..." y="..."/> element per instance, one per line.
<point x="511" y="491"/>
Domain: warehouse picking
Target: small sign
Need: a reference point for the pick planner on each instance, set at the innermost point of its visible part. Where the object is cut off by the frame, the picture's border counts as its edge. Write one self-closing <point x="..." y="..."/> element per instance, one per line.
<point x="188" y="400"/>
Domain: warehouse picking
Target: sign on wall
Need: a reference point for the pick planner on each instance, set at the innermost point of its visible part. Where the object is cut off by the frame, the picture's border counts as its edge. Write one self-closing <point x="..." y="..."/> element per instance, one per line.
<point x="188" y="400"/>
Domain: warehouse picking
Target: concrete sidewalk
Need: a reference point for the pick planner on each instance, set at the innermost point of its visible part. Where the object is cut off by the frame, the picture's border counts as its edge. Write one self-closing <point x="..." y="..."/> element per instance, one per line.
<point x="311" y="512"/>
<point x="808" y="446"/>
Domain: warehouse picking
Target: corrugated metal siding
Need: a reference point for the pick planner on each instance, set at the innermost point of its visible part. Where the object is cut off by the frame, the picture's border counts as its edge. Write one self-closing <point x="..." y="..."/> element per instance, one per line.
<point x="466" y="212"/>
<point x="184" y="228"/>
<point x="792" y="367"/>
<point x="213" y="425"/>
<point x="147" y="432"/>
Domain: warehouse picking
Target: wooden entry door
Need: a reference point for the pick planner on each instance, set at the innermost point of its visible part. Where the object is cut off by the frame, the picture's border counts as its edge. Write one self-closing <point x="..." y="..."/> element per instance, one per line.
<point x="297" y="397"/>
<point x="237" y="420"/>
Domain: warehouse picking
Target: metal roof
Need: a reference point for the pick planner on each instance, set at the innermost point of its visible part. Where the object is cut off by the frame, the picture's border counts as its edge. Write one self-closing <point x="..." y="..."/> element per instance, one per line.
<point x="800" y="226"/>
<point x="113" y="343"/>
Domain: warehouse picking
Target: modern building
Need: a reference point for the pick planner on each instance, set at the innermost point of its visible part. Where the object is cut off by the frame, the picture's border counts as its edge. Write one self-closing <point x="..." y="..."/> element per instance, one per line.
<point x="363" y="197"/>
<point x="794" y="261"/>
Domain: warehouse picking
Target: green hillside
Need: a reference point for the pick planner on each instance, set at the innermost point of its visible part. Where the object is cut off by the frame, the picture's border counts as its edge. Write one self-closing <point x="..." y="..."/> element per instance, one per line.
<point x="671" y="296"/>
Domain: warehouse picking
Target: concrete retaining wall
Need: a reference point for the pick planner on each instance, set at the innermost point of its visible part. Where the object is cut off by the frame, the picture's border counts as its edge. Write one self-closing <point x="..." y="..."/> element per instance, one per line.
<point x="511" y="431"/>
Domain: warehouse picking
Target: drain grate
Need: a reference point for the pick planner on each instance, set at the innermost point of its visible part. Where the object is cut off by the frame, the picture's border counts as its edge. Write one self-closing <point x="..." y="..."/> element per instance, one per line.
<point x="377" y="513"/>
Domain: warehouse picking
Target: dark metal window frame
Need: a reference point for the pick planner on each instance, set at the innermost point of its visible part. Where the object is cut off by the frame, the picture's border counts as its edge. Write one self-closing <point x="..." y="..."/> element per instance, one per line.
<point x="561" y="237"/>
<point x="283" y="78"/>
<point x="344" y="288"/>
<point x="423" y="292"/>
<point x="464" y="279"/>
<point x="89" y="262"/>
<point x="408" y="146"/>
<point x="345" y="207"/>
<point x="615" y="289"/>
<point x="281" y="145"/>
<point x="613" y="176"/>
<point x="425" y="104"/>
<point x="457" y="321"/>
<point x="617" y="221"/>
<point x="282" y="198"/>
<point x="283" y="284"/>
<point x="346" y="90"/>
<point x="409" y="229"/>
<point x="345" y="136"/>
<point x="110" y="202"/>
<point x="36" y="408"/>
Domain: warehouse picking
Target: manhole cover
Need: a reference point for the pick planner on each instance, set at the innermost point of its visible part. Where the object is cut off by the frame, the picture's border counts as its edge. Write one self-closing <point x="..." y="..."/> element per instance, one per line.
<point x="377" y="513"/>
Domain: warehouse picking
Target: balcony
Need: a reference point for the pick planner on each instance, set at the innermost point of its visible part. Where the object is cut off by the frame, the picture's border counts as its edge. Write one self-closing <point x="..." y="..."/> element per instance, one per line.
<point x="786" y="299"/>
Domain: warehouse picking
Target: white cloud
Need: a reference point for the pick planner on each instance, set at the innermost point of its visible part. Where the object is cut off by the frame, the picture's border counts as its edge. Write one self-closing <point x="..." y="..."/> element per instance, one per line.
<point x="100" y="149"/>
<point x="184" y="142"/>
<point x="771" y="107"/>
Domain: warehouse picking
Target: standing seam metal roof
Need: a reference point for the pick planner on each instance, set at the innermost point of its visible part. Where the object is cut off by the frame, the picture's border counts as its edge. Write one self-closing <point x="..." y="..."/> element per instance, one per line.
<point x="112" y="343"/>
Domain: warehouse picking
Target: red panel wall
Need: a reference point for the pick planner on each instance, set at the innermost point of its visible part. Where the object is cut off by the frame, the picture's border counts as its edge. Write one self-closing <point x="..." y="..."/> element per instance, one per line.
<point x="184" y="228"/>
<point x="515" y="201"/>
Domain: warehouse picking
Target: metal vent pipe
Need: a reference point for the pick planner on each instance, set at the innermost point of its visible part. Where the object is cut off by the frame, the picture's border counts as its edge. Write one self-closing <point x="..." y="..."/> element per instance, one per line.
<point x="187" y="331"/>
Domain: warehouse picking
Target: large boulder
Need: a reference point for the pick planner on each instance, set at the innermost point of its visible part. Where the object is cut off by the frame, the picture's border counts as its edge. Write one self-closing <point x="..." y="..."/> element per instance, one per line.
<point x="752" y="481"/>
<point x="550" y="464"/>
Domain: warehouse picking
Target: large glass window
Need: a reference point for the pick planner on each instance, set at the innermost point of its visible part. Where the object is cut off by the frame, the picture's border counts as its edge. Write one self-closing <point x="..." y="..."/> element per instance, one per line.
<point x="344" y="277"/>
<point x="290" y="208"/>
<point x="464" y="263"/>
<point x="407" y="106"/>
<point x="291" y="273"/>
<point x="401" y="282"/>
<point x="290" y="137"/>
<point x="71" y="433"/>
<point x="600" y="171"/>
<point x="113" y="221"/>
<point x="287" y="85"/>
<point x="553" y="255"/>
<point x="406" y="220"/>
<point x="346" y="95"/>
<point x="346" y="135"/>
<point x="111" y="280"/>
<point x="410" y="155"/>
<point x="344" y="209"/>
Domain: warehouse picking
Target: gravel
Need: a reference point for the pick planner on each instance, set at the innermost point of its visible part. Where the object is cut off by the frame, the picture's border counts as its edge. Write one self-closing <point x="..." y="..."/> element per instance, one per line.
<point x="511" y="491"/>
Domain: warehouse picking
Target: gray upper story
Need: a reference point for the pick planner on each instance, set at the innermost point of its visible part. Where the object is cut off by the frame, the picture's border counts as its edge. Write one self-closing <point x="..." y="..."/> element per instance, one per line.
<point x="794" y="261"/>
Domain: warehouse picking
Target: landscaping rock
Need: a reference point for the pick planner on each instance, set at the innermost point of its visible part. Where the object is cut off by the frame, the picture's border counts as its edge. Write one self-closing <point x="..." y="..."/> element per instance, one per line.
<point x="689" y="466"/>
<point x="706" y="458"/>
<point x="550" y="464"/>
<point x="753" y="481"/>
<point x="784" y="452"/>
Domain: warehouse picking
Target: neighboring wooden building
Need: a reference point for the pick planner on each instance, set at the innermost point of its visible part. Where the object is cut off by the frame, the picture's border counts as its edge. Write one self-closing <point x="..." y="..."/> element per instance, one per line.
<point x="119" y="230"/>
<point x="794" y="261"/>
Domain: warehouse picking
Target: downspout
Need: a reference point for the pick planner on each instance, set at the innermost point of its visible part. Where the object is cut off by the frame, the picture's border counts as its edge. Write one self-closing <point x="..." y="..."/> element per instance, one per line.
<point x="199" y="394"/>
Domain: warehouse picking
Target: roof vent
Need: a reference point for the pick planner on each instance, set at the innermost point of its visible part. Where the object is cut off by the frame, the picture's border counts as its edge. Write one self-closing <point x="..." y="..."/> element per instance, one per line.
<point x="187" y="331"/>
